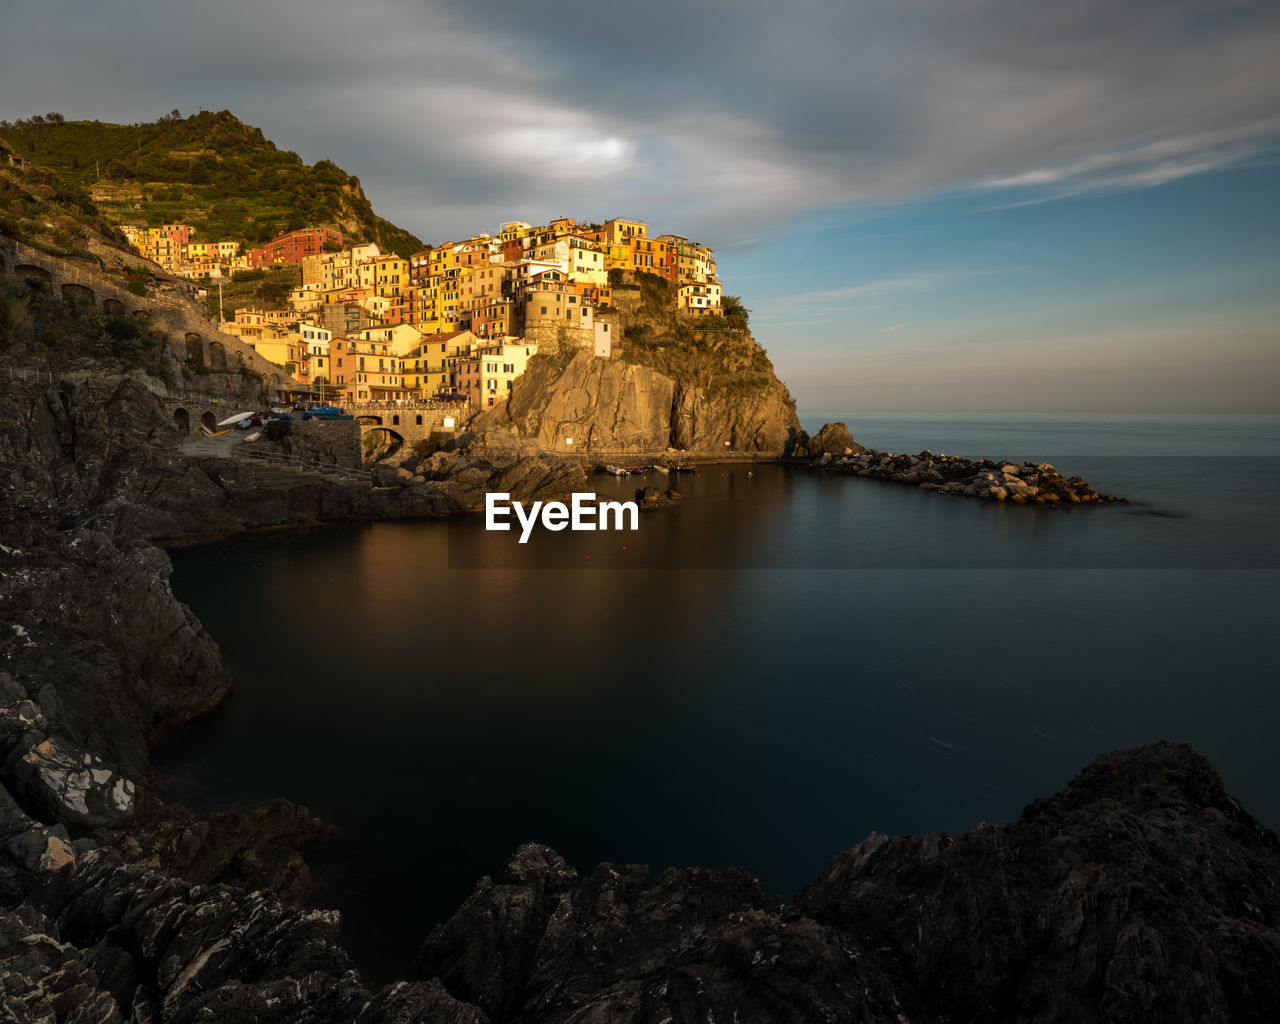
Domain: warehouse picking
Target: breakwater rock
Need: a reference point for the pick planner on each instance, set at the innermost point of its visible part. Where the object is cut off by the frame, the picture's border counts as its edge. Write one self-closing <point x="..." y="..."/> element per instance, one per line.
<point x="457" y="478"/>
<point x="1027" y="483"/>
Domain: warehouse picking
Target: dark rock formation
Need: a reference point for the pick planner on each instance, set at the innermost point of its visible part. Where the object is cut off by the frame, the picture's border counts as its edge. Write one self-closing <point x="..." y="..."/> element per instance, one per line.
<point x="1026" y="484"/>
<point x="833" y="438"/>
<point x="495" y="460"/>
<point x="1141" y="892"/>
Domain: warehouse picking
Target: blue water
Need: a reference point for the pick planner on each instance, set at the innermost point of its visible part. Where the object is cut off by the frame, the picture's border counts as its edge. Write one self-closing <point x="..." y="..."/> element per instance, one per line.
<point x="768" y="672"/>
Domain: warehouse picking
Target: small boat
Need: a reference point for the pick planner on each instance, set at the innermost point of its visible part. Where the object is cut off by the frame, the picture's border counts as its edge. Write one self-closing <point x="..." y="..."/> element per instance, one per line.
<point x="636" y="472"/>
<point x="660" y="469"/>
<point x="244" y="424"/>
<point x="231" y="421"/>
<point x="615" y="470"/>
<point x="682" y="469"/>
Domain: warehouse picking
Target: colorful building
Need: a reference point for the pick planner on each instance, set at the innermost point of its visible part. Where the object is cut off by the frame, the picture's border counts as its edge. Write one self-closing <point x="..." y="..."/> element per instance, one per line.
<point x="294" y="246"/>
<point x="486" y="375"/>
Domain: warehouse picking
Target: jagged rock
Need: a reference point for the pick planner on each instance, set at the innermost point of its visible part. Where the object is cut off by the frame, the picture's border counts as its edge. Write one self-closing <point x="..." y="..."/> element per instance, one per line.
<point x="650" y="497"/>
<point x="19" y="720"/>
<point x="979" y="478"/>
<point x="1141" y="892"/>
<point x="69" y="784"/>
<point x="834" y="438"/>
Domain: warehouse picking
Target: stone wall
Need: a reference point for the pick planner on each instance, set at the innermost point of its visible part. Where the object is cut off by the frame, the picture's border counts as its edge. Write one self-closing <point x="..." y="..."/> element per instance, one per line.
<point x="194" y="339"/>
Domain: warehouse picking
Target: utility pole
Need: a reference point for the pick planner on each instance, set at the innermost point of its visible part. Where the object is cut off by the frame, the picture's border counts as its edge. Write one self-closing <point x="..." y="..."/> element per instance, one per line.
<point x="220" y="317"/>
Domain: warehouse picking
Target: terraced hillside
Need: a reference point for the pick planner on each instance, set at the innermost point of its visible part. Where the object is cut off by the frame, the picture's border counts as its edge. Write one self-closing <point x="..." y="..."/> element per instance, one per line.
<point x="210" y="170"/>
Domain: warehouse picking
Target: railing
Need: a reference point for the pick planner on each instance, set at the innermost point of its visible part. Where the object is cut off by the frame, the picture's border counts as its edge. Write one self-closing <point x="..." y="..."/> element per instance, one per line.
<point x="16" y="373"/>
<point x="28" y="375"/>
<point x="299" y="463"/>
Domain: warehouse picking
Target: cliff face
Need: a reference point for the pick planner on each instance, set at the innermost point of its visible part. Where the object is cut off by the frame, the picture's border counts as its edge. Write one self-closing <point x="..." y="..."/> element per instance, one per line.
<point x="600" y="403"/>
<point x="674" y="381"/>
<point x="613" y="405"/>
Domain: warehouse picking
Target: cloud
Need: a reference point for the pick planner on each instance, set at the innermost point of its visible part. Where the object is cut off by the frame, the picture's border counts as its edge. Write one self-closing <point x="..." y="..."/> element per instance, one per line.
<point x="720" y="118"/>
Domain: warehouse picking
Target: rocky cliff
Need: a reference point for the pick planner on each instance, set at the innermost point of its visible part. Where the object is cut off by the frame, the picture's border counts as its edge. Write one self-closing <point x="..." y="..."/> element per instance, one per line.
<point x="673" y="382"/>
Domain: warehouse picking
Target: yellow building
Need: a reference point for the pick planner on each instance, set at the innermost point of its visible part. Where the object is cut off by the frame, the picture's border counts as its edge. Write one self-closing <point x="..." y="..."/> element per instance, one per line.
<point x="588" y="264"/>
<point x="620" y="232"/>
<point x="440" y="354"/>
<point x="486" y="375"/>
<point x="391" y="275"/>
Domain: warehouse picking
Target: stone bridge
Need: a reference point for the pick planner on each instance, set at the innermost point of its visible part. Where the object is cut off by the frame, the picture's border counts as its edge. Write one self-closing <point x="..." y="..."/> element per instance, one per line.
<point x="409" y="422"/>
<point x="192" y="337"/>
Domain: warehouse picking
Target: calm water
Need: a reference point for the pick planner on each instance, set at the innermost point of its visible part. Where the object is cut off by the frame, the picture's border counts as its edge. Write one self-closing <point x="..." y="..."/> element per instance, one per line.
<point x="767" y="673"/>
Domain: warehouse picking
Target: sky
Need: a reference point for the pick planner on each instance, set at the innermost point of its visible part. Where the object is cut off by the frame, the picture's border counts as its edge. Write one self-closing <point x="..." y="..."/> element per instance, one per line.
<point x="971" y="205"/>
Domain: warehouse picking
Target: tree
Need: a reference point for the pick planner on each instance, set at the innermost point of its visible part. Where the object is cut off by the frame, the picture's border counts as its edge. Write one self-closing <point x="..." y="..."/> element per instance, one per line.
<point x="736" y="315"/>
<point x="269" y="293"/>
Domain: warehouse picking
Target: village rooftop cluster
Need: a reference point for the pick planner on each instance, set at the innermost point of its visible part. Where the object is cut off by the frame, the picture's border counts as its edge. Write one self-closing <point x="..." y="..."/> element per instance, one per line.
<point x="459" y="319"/>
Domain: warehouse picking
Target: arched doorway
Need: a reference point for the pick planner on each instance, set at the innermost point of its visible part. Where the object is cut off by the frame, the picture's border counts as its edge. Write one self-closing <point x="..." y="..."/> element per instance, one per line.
<point x="78" y="295"/>
<point x="183" y="419"/>
<point x="217" y="356"/>
<point x="209" y="421"/>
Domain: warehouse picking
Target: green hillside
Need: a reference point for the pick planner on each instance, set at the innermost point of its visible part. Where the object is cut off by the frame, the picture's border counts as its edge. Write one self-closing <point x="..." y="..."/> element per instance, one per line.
<point x="209" y="170"/>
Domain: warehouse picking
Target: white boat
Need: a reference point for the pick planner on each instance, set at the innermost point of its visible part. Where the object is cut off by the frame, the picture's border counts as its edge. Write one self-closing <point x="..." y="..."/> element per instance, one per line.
<point x="231" y="421"/>
<point x="660" y="469"/>
<point x="615" y="470"/>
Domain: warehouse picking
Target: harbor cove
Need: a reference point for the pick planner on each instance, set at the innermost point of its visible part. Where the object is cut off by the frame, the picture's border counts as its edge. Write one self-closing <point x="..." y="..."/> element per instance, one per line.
<point x="763" y="674"/>
<point x="704" y="514"/>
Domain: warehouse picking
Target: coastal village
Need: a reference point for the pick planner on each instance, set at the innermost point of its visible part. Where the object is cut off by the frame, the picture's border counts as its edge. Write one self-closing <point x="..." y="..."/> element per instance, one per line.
<point x="454" y="322"/>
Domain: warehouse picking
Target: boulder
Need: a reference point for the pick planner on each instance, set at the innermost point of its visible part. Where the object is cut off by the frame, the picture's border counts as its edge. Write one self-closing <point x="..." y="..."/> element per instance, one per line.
<point x="69" y="784"/>
<point x="834" y="438"/>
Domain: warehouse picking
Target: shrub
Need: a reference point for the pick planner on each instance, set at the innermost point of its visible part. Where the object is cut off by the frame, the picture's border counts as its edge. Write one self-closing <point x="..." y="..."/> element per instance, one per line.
<point x="137" y="286"/>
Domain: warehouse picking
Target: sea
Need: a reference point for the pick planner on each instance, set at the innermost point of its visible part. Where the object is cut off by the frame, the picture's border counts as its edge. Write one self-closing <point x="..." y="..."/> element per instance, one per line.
<point x="760" y="676"/>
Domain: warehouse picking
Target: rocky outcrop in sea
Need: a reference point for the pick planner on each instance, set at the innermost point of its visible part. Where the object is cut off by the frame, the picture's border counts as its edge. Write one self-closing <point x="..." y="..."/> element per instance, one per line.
<point x="1027" y="483"/>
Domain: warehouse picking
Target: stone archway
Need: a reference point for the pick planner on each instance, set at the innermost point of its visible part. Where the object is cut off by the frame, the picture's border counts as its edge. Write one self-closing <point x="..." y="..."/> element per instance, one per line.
<point x="34" y="276"/>
<point x="369" y="420"/>
<point x="217" y="356"/>
<point x="209" y="420"/>
<point x="79" y="295"/>
<point x="113" y="307"/>
<point x="195" y="348"/>
<point x="143" y="317"/>
<point x="380" y="442"/>
<point x="183" y="419"/>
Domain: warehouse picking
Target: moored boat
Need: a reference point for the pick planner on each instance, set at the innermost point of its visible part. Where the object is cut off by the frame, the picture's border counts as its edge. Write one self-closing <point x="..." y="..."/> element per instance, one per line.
<point x="615" y="470"/>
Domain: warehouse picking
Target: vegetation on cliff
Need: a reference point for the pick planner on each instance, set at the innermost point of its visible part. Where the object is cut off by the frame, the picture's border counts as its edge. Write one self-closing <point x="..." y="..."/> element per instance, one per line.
<point x="675" y="381"/>
<point x="45" y="210"/>
<point x="209" y="170"/>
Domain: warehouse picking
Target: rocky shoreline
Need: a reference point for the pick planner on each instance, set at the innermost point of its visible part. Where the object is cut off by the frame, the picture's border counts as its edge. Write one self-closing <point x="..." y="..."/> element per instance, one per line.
<point x="1142" y="891"/>
<point x="1028" y="483"/>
